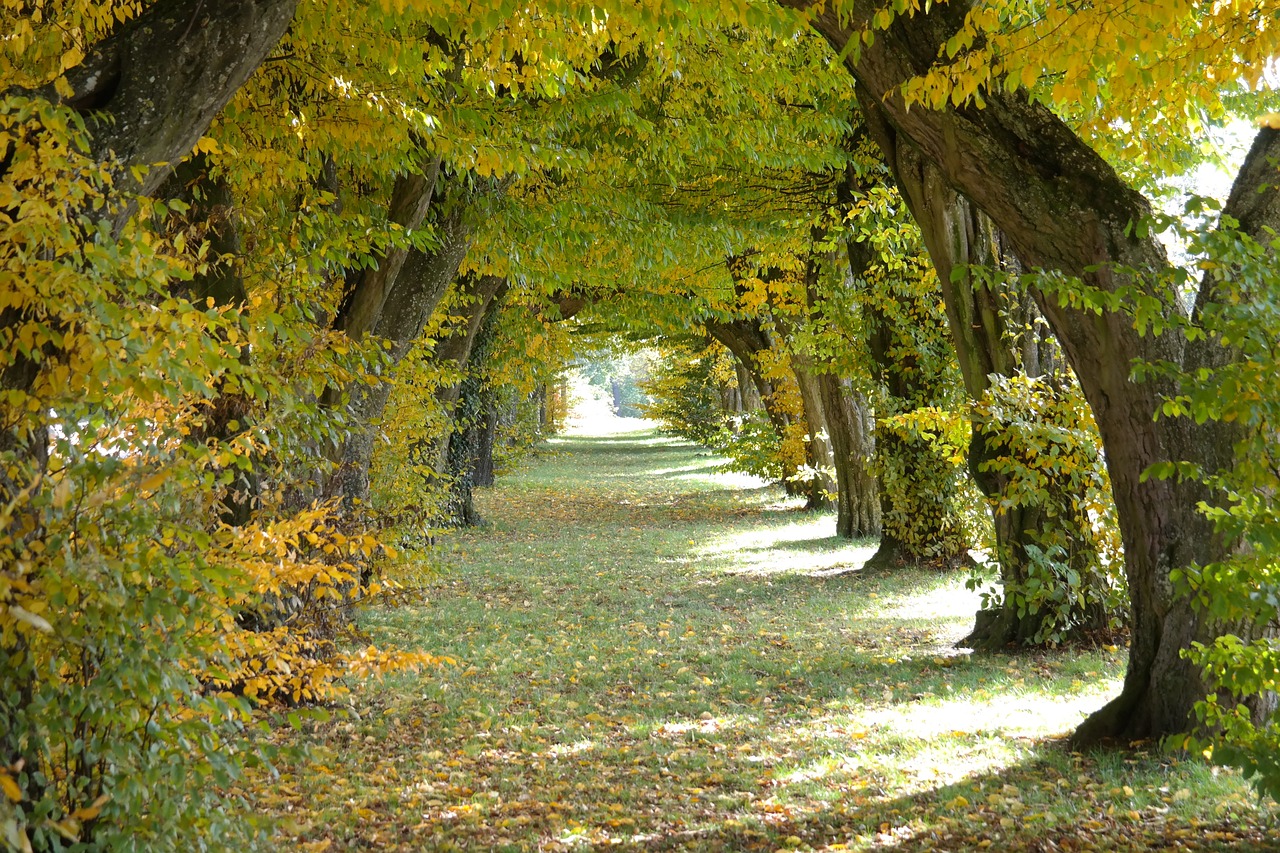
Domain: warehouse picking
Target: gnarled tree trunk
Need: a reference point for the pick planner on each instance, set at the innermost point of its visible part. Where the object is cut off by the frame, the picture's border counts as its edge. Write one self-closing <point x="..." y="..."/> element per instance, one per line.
<point x="851" y="426"/>
<point x="821" y="488"/>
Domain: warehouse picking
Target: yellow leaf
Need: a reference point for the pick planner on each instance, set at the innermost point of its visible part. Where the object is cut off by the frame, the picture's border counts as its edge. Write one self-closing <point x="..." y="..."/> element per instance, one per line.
<point x="62" y="493"/>
<point x="73" y="57"/>
<point x="153" y="482"/>
<point x="10" y="787"/>
<point x="1271" y="120"/>
<point x="91" y="811"/>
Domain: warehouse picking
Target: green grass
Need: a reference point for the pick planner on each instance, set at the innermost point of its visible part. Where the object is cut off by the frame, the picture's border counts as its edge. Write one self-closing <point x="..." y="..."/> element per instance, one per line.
<point x="653" y="654"/>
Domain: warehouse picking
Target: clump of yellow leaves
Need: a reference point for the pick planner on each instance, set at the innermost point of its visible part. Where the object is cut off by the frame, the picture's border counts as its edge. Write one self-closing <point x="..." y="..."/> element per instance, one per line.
<point x="280" y="635"/>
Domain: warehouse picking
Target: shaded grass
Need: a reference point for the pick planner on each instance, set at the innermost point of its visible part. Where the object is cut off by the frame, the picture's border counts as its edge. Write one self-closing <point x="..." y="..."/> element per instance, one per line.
<point x="653" y="654"/>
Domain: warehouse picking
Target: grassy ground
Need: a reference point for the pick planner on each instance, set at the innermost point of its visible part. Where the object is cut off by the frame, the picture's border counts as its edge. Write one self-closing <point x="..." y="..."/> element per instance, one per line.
<point x="652" y="654"/>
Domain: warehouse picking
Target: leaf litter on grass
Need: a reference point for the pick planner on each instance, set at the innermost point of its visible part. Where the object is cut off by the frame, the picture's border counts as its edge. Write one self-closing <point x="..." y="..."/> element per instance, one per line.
<point x="654" y="655"/>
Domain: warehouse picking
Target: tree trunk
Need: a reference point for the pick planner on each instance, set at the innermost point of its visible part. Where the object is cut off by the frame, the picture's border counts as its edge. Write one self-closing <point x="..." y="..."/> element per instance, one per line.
<point x="484" y="473"/>
<point x="417" y="291"/>
<point x="746" y="339"/>
<point x="821" y="488"/>
<point x="152" y="88"/>
<point x="984" y="318"/>
<point x="475" y="398"/>
<point x="1064" y="209"/>
<point x="479" y="295"/>
<point x="748" y="394"/>
<point x="615" y="390"/>
<point x="850" y="425"/>
<point x="919" y="520"/>
<point x="850" y="433"/>
<point x="368" y="288"/>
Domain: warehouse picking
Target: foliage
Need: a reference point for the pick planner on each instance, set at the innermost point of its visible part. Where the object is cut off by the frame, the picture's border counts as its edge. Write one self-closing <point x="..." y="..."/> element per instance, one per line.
<point x="752" y="446"/>
<point x="409" y="491"/>
<point x="137" y="625"/>
<point x="1241" y="499"/>
<point x="929" y="503"/>
<point x="789" y="454"/>
<point x="1049" y="453"/>
<point x="127" y="604"/>
<point x="685" y="388"/>
<point x="1082" y="62"/>
<point x="922" y="435"/>
<point x="109" y="590"/>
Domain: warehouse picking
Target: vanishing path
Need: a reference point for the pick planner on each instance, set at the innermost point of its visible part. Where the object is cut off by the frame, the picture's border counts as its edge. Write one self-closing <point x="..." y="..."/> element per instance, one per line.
<point x="655" y="655"/>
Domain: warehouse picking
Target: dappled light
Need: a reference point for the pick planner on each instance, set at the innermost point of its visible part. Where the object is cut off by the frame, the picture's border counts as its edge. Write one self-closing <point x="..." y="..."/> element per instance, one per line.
<point x="643" y="675"/>
<point x="799" y="547"/>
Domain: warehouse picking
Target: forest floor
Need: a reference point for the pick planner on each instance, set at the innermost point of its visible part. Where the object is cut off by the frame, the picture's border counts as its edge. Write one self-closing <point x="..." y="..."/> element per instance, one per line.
<point x="653" y="654"/>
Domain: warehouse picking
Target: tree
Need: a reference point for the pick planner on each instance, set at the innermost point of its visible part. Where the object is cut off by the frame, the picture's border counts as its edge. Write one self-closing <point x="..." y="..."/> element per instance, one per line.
<point x="1055" y="581"/>
<point x="1066" y="211"/>
<point x="918" y="435"/>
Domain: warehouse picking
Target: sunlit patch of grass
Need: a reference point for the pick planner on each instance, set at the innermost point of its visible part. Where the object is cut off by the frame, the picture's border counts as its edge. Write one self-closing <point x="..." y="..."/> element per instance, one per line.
<point x="802" y="546"/>
<point x="648" y="661"/>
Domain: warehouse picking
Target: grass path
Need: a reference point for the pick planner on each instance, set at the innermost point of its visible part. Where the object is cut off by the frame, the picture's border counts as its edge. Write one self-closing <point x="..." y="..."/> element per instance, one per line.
<point x="655" y="655"/>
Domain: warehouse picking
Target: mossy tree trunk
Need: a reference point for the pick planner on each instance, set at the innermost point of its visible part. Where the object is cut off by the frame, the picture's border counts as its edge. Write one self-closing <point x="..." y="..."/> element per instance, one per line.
<point x="472" y="413"/>
<point x="919" y="517"/>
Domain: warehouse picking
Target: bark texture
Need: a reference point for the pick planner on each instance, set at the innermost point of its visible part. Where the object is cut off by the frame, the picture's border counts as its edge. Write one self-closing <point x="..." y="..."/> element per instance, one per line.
<point x="152" y="87"/>
<point x="479" y="295"/>
<point x="368" y="288"/>
<point x="821" y="489"/>
<point x="851" y="426"/>
<point x="1063" y="208"/>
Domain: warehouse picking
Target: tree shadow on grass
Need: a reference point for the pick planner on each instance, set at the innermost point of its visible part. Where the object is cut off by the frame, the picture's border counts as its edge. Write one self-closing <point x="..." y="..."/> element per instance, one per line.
<point x="985" y="811"/>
